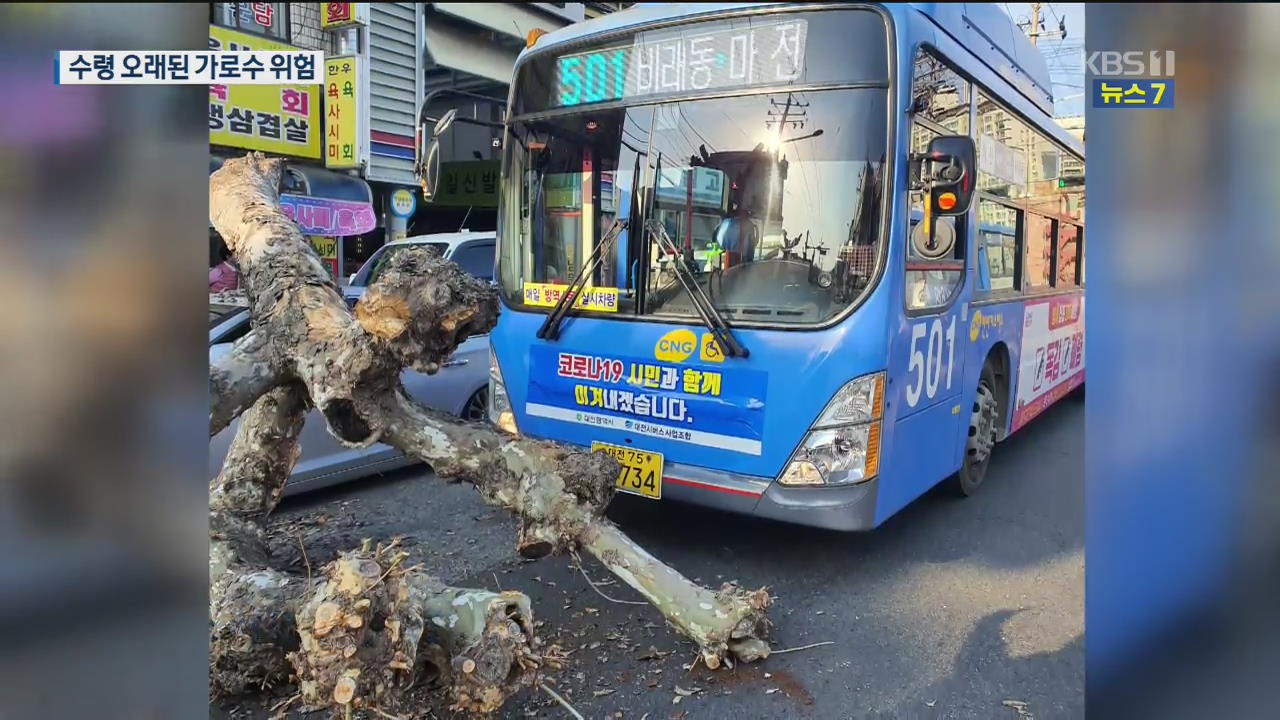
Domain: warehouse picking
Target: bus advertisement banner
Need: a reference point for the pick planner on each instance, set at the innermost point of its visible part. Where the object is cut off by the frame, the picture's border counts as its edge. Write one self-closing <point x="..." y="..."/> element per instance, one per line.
<point x="717" y="407"/>
<point x="1052" y="356"/>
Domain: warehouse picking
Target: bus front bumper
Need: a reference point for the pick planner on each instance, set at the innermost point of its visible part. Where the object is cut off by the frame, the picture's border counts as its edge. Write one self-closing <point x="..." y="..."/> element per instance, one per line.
<point x="846" y="508"/>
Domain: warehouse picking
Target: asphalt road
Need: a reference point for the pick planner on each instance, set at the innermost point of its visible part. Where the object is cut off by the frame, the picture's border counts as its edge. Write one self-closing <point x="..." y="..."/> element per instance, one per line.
<point x="947" y="611"/>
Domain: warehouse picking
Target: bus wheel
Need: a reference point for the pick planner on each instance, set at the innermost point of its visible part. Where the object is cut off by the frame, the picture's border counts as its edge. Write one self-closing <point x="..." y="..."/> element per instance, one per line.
<point x="982" y="435"/>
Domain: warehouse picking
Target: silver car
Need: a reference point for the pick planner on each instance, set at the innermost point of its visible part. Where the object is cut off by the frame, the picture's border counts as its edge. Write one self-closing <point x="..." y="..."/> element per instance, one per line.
<point x="460" y="387"/>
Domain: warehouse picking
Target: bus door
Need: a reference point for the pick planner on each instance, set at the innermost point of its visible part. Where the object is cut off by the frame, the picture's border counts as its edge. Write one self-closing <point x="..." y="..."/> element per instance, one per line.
<point x="928" y="344"/>
<point x="927" y="368"/>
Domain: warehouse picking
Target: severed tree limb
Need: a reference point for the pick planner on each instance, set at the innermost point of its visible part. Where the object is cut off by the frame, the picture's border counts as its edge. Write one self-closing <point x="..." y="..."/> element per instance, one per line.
<point x="729" y="623"/>
<point x="251" y="607"/>
<point x="372" y="628"/>
<point x="239" y="377"/>
<point x="560" y="498"/>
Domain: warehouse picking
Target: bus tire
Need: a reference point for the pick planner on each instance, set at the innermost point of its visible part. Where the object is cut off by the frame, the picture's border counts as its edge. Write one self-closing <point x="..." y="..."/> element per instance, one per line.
<point x="984" y="421"/>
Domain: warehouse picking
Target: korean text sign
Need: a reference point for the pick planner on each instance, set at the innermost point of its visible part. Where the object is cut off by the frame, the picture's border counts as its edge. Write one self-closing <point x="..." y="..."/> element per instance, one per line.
<point x="336" y="15"/>
<point x="710" y="406"/>
<point x="188" y="67"/>
<point x="341" y="121"/>
<point x="469" y="183"/>
<point x="339" y="15"/>
<point x="323" y="216"/>
<point x="1125" y="93"/>
<point x="327" y="248"/>
<point x="280" y="119"/>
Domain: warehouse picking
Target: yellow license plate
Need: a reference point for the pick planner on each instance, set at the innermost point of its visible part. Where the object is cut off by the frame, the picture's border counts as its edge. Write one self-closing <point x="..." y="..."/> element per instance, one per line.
<point x="641" y="471"/>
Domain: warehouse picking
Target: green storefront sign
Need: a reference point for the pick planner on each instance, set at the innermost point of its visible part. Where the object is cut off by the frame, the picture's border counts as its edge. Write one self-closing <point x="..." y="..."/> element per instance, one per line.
<point x="469" y="184"/>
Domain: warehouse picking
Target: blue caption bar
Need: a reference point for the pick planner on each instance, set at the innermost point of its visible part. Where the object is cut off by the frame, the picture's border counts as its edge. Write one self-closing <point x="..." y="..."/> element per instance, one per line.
<point x="1132" y="93"/>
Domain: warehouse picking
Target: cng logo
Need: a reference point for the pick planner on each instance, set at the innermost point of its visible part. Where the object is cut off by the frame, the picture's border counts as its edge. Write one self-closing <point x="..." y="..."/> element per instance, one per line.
<point x="676" y="346"/>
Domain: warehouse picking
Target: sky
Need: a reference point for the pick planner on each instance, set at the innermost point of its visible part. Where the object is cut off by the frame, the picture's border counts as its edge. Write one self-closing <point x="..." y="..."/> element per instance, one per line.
<point x="1064" y="57"/>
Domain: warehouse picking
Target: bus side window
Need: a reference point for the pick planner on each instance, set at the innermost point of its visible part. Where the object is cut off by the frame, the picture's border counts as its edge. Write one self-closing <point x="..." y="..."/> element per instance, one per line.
<point x="997" y="235"/>
<point x="940" y="106"/>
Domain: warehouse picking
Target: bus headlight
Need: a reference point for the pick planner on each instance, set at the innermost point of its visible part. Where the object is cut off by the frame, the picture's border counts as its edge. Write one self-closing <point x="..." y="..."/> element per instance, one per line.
<point x="843" y="446"/>
<point x="500" y="413"/>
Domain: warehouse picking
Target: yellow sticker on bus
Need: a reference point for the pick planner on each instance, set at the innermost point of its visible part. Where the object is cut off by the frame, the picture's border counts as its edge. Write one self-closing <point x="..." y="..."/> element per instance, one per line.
<point x="598" y="299"/>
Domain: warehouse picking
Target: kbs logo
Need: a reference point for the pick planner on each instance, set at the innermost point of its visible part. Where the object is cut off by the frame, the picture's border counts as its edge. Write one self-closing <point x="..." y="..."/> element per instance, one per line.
<point x="1135" y="63"/>
<point x="1131" y="79"/>
<point x="676" y="346"/>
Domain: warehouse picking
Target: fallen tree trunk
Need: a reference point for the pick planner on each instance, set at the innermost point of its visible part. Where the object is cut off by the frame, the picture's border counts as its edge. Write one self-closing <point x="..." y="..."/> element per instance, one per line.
<point x="415" y="316"/>
<point x="397" y="623"/>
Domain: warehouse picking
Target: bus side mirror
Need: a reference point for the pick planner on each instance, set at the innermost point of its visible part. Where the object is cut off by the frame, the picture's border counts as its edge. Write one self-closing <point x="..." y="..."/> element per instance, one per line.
<point x="427" y="165"/>
<point x="952" y="161"/>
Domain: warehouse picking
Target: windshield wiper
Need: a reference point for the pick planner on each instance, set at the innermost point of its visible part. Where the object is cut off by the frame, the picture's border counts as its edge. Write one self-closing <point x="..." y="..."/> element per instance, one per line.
<point x="550" y="329"/>
<point x="711" y="317"/>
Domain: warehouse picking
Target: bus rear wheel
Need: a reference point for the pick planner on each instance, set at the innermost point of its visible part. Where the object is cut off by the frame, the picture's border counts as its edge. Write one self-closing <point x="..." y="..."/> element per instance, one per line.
<point x="981" y="439"/>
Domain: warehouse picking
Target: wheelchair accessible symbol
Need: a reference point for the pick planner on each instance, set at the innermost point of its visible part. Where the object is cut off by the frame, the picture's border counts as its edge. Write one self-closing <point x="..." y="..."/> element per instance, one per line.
<point x="709" y="350"/>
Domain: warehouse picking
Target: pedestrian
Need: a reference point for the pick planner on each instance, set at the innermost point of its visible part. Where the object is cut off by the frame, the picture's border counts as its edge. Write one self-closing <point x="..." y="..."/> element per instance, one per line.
<point x="223" y="276"/>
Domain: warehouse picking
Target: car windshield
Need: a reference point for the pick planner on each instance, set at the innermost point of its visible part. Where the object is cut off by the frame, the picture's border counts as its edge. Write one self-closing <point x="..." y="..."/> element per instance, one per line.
<point x="219" y="313"/>
<point x="384" y="258"/>
<point x="772" y="198"/>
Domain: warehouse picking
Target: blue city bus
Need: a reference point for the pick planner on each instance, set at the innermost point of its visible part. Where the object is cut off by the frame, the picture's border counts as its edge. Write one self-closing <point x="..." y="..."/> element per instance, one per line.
<point x="799" y="261"/>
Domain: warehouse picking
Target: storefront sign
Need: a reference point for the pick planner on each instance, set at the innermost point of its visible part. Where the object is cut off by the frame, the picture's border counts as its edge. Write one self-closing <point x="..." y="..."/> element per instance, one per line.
<point x="341" y="118"/>
<point x="403" y="203"/>
<point x="327" y="248"/>
<point x="279" y="119"/>
<point x="339" y="15"/>
<point x="322" y="216"/>
<point x="468" y="184"/>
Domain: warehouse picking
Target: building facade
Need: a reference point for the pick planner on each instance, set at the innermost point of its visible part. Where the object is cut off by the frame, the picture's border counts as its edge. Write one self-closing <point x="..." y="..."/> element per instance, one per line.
<point x="358" y="144"/>
<point x="329" y="199"/>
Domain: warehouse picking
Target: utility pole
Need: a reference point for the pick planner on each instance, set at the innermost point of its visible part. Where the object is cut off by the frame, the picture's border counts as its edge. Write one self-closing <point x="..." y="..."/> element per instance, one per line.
<point x="1035" y="29"/>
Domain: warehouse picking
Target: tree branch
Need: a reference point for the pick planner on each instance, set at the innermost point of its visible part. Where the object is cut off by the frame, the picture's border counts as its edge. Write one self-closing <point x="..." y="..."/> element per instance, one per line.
<point x="238" y="377"/>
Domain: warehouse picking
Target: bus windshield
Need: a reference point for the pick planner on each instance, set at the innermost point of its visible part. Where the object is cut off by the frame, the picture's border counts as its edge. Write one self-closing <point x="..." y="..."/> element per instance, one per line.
<point x="773" y="200"/>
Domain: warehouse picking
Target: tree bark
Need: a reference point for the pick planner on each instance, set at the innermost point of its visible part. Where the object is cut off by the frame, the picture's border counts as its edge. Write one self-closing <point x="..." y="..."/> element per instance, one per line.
<point x="251" y="607"/>
<point x="238" y="378"/>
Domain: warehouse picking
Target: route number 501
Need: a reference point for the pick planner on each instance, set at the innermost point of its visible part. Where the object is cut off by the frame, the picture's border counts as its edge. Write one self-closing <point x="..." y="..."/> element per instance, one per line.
<point x="926" y="368"/>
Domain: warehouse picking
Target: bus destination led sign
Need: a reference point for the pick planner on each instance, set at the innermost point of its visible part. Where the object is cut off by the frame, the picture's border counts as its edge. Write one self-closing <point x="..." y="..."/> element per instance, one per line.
<point x="752" y="54"/>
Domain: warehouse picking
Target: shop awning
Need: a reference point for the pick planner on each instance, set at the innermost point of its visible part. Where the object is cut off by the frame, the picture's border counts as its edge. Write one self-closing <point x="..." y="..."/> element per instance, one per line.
<point x="316" y="182"/>
<point x="456" y="50"/>
<point x="320" y="183"/>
